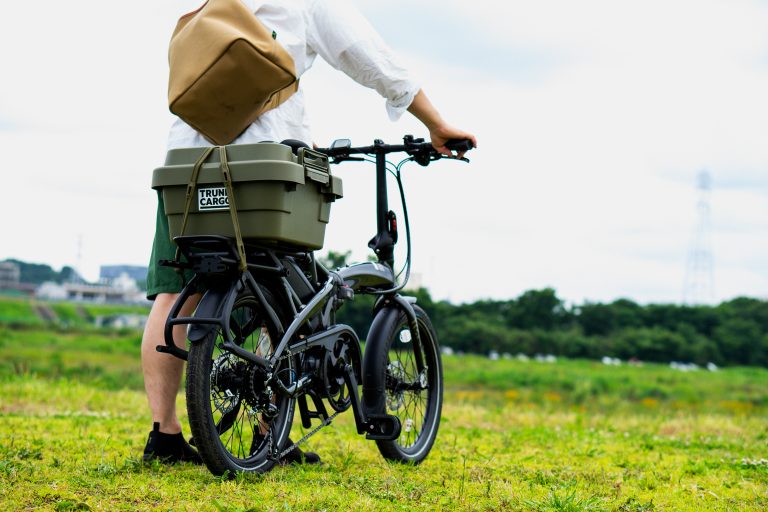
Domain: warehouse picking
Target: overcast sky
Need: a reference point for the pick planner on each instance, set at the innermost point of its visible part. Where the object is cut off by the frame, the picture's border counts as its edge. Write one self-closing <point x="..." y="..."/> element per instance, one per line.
<point x="594" y="119"/>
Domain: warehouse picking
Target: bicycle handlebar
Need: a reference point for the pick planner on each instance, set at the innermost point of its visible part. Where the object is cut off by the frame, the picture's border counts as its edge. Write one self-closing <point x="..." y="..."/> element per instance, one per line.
<point x="422" y="152"/>
<point x="419" y="151"/>
<point x="460" y="145"/>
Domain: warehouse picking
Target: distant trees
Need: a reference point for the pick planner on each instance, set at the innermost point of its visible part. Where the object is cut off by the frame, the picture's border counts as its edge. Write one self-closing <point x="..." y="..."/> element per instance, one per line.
<point x="537" y="309"/>
<point x="334" y="259"/>
<point x="538" y="322"/>
<point x="37" y="273"/>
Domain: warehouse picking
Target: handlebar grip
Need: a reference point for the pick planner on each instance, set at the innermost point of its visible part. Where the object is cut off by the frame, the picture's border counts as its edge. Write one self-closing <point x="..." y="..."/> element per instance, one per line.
<point x="460" y="145"/>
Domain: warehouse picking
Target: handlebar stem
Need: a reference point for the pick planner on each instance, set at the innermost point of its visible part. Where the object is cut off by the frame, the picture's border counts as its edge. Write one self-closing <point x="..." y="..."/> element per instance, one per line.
<point x="382" y="244"/>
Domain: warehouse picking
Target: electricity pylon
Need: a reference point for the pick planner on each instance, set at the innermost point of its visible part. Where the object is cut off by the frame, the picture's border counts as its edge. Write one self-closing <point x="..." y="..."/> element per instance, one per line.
<point x="699" y="287"/>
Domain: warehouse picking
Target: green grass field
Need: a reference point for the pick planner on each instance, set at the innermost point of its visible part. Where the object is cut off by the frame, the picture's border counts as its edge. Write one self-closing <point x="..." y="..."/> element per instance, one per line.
<point x="570" y="436"/>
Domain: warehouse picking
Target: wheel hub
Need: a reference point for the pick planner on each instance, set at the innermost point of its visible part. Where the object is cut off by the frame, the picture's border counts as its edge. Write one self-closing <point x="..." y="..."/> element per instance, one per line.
<point x="258" y="392"/>
<point x="395" y="376"/>
<point x="225" y="383"/>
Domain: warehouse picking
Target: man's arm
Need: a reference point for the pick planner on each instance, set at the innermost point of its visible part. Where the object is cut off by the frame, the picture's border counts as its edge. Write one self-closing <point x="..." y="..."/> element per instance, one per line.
<point x="439" y="131"/>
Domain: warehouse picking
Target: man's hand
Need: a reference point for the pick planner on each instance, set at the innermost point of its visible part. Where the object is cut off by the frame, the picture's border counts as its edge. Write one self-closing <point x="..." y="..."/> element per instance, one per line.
<point x="439" y="131"/>
<point x="442" y="134"/>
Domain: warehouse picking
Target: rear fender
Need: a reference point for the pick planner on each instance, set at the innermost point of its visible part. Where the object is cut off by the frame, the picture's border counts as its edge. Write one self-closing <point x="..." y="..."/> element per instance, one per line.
<point x="215" y="302"/>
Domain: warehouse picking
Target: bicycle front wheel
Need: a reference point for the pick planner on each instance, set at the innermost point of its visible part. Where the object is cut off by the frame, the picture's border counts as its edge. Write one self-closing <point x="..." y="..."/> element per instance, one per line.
<point x="412" y="378"/>
<point x="236" y="420"/>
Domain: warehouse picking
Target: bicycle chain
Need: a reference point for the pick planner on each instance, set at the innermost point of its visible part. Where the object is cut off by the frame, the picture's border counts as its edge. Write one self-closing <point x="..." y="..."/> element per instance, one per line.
<point x="314" y="431"/>
<point x="311" y="433"/>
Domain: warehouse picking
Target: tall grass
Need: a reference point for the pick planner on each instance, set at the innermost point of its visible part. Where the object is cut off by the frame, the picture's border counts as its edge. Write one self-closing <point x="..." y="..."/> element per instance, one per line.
<point x="591" y="383"/>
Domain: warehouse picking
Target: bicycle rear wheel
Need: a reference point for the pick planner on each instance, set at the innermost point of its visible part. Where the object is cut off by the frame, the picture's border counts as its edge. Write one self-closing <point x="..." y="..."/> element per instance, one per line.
<point x="236" y="420"/>
<point x="411" y="376"/>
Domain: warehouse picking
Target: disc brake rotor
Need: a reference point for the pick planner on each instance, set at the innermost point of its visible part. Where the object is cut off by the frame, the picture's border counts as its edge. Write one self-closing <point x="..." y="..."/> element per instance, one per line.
<point x="224" y="397"/>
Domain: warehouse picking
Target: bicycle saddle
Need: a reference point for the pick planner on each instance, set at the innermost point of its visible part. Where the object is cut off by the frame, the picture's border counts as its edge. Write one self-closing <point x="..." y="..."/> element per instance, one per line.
<point x="295" y="145"/>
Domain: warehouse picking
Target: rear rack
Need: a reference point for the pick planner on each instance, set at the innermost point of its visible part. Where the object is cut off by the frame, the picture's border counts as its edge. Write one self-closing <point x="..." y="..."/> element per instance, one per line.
<point x="215" y="254"/>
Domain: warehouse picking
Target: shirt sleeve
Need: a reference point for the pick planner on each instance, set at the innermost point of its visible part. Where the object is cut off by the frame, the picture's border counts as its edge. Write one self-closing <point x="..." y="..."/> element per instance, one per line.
<point x="341" y="35"/>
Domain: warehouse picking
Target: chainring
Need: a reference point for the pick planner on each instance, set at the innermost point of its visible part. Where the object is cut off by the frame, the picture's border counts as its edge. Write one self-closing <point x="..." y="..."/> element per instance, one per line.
<point x="345" y="352"/>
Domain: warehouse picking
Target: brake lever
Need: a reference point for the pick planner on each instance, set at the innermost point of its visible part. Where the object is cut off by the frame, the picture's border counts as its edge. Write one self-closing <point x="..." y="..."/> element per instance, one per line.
<point x="452" y="157"/>
<point x="425" y="160"/>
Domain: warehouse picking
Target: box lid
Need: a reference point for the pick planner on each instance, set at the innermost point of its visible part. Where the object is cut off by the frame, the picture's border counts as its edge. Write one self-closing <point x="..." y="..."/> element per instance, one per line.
<point x="247" y="162"/>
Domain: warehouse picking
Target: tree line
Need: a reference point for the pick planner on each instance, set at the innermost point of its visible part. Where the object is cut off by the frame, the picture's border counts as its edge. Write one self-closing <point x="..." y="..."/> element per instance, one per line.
<point x="538" y="322"/>
<point x="39" y="273"/>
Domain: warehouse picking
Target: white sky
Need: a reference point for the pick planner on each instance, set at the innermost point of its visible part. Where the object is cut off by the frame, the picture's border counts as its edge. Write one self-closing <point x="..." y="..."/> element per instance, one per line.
<point x="594" y="119"/>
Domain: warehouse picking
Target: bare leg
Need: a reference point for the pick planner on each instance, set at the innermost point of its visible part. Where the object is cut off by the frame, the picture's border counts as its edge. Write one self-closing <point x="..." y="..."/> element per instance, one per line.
<point x="162" y="372"/>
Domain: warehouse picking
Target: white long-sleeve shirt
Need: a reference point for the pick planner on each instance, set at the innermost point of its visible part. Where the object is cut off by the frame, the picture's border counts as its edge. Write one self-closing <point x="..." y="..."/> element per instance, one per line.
<point x="335" y="30"/>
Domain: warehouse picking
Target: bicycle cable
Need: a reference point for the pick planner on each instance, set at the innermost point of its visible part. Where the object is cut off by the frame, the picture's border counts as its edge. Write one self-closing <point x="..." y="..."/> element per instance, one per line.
<point x="407" y="266"/>
<point x="394" y="170"/>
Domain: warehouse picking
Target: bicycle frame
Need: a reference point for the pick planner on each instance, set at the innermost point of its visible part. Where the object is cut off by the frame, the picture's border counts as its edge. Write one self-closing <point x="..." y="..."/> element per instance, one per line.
<point x="224" y="283"/>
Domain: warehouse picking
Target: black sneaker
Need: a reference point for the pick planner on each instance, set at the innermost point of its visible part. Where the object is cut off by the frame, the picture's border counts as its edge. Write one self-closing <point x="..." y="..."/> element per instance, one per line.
<point x="169" y="448"/>
<point x="297" y="456"/>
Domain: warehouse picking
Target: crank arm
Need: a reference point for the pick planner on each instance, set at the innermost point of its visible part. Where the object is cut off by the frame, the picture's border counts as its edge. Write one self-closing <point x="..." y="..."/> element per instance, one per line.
<point x="383" y="427"/>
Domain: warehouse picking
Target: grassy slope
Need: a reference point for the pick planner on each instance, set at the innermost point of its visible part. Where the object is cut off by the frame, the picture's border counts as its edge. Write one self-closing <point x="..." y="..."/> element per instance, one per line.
<point x="20" y="312"/>
<point x="515" y="436"/>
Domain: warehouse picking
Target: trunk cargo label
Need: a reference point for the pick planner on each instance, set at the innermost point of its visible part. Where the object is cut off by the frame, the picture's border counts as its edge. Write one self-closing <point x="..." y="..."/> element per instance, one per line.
<point x="213" y="198"/>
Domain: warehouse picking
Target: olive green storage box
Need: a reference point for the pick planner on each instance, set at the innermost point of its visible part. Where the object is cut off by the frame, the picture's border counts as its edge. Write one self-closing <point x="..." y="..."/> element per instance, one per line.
<point x="280" y="197"/>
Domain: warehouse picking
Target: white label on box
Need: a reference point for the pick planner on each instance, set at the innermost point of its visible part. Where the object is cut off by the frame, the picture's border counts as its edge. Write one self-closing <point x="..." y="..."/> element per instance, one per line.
<point x="214" y="198"/>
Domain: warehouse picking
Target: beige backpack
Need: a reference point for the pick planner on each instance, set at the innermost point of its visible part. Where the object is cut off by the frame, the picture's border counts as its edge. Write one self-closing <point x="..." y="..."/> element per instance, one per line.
<point x="226" y="69"/>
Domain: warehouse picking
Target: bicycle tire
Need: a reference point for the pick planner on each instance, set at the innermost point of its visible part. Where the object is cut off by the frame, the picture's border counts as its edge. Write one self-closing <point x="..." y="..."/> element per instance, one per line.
<point x="228" y="426"/>
<point x="392" y="365"/>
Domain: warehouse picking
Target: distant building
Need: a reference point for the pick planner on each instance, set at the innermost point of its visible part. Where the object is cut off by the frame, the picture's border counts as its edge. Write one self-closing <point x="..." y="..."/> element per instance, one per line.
<point x="110" y="272"/>
<point x="51" y="291"/>
<point x="10" y="278"/>
<point x="10" y="274"/>
<point x="123" y="291"/>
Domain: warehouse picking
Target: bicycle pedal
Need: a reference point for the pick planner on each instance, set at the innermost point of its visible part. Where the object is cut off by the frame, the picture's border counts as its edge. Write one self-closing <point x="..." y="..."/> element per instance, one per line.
<point x="382" y="427"/>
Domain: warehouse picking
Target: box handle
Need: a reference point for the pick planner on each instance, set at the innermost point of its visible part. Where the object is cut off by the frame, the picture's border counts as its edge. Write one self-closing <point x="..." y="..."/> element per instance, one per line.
<point x="315" y="165"/>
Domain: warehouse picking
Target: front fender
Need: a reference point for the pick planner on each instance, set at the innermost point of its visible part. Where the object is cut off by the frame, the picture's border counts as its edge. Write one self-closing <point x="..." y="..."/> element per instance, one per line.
<point x="375" y="358"/>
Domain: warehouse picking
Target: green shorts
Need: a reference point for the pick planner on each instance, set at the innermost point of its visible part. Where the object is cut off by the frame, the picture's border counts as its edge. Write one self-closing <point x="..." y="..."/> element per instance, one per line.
<point x="162" y="279"/>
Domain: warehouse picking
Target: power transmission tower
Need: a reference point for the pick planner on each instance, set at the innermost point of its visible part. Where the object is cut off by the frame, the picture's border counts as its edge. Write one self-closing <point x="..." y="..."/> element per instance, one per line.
<point x="75" y="276"/>
<point x="699" y="285"/>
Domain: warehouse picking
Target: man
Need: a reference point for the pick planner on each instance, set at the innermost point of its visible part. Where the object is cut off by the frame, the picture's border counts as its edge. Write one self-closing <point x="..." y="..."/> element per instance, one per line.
<point x="336" y="31"/>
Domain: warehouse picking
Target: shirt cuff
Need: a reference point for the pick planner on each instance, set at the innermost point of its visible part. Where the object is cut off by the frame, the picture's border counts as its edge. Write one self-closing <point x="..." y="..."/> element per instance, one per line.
<point x="398" y="106"/>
